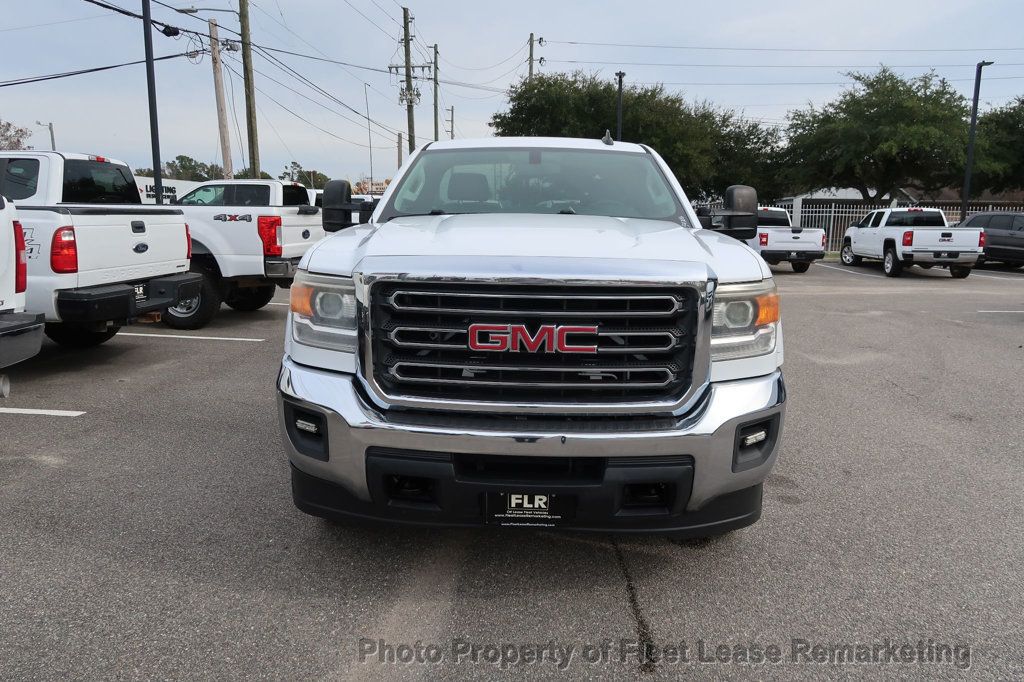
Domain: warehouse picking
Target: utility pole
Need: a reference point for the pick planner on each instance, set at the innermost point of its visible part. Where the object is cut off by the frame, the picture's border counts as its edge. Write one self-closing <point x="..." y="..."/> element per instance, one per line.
<point x="399" y="150"/>
<point x="451" y="122"/>
<point x="53" y="142"/>
<point x="369" y="135"/>
<point x="250" y="89"/>
<point x="409" y="100"/>
<point x="222" y="111"/>
<point x="154" y="129"/>
<point x="970" y="140"/>
<point x="529" y="77"/>
<point x="436" y="128"/>
<point x="618" y="126"/>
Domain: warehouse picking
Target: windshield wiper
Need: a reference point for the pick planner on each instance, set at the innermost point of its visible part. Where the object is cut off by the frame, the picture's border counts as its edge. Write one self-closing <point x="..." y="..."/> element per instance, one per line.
<point x="433" y="211"/>
<point x="567" y="211"/>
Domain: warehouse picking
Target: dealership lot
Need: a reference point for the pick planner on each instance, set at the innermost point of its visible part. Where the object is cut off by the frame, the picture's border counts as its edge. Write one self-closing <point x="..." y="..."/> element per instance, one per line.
<point x="153" y="534"/>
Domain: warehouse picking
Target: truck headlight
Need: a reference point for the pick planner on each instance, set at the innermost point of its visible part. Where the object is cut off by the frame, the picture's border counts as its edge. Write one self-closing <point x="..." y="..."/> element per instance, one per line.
<point x="744" y="321"/>
<point x="324" y="311"/>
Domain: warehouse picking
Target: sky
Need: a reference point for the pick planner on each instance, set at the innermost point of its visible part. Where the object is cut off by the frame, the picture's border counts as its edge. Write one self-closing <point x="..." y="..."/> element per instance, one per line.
<point x="761" y="58"/>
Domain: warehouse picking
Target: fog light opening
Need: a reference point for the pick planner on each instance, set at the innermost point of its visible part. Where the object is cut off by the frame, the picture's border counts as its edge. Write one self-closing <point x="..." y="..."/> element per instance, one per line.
<point x="410" y="488"/>
<point x="754" y="443"/>
<point x="647" y="496"/>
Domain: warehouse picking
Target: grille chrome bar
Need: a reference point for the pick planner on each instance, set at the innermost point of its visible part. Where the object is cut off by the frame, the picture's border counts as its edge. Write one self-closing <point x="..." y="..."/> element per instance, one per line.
<point x="457" y="339"/>
<point x="651" y="305"/>
<point x="597" y="376"/>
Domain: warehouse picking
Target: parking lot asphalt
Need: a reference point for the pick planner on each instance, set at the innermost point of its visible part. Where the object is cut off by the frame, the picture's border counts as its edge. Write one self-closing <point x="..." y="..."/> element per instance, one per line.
<point x="154" y="535"/>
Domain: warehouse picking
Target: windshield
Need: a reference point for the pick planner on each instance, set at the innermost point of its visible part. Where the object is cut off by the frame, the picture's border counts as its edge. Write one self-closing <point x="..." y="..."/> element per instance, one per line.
<point x="99" y="182"/>
<point x="539" y="180"/>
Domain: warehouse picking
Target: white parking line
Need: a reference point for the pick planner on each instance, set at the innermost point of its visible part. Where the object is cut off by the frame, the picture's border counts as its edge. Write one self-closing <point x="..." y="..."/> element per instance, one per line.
<point x="1005" y="279"/>
<point x="849" y="272"/>
<point x="1004" y="312"/>
<point x="198" y="338"/>
<point x="48" y="413"/>
<point x="276" y="303"/>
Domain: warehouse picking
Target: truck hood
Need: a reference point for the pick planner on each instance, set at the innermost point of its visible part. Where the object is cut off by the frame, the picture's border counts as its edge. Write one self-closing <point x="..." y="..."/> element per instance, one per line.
<point x="527" y="236"/>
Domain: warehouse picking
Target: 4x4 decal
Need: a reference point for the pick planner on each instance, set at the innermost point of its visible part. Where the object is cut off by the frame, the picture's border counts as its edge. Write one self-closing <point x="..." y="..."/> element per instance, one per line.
<point x="232" y="218"/>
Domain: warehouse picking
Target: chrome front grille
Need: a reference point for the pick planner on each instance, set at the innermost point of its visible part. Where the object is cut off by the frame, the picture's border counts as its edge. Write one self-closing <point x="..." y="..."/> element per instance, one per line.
<point x="643" y="349"/>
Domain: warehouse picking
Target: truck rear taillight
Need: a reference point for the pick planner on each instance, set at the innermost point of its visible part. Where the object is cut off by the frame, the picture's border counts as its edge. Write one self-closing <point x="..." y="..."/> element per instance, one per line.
<point x="762" y="238"/>
<point x="981" y="238"/>
<point x="908" y="238"/>
<point x="823" y="241"/>
<point x="188" y="243"/>
<point x="64" y="251"/>
<point x="20" y="260"/>
<point x="269" y="227"/>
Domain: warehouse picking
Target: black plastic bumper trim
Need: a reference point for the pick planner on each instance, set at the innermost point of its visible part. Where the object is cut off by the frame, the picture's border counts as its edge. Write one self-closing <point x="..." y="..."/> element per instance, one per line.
<point x="109" y="302"/>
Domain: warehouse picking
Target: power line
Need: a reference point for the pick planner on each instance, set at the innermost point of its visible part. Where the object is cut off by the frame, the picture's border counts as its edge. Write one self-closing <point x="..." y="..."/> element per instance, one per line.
<point x="66" y="74"/>
<point x="234" y="114"/>
<point x="487" y="68"/>
<point x="53" y="23"/>
<point x="375" y="24"/>
<point x="950" y="80"/>
<point x="774" y="66"/>
<point x="783" y="49"/>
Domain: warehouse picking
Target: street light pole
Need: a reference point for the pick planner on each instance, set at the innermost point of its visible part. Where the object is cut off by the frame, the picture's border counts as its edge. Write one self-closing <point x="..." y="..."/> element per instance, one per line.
<point x="970" y="140"/>
<point x="154" y="130"/>
<point x="53" y="142"/>
<point x="369" y="133"/>
<point x="618" y="126"/>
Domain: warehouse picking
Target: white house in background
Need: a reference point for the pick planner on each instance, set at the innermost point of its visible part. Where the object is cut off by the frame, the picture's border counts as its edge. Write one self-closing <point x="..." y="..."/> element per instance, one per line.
<point x="173" y="189"/>
<point x="848" y="194"/>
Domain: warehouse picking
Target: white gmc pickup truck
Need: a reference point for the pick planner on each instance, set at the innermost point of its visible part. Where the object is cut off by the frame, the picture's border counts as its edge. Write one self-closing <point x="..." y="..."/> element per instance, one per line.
<point x="97" y="258"/>
<point x="247" y="238"/>
<point x="534" y="332"/>
<point x="913" y="236"/>
<point x="778" y="240"/>
<point x="21" y="333"/>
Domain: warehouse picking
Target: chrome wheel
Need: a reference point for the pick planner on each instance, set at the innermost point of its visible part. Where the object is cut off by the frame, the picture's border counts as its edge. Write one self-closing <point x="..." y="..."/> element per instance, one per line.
<point x="847" y="254"/>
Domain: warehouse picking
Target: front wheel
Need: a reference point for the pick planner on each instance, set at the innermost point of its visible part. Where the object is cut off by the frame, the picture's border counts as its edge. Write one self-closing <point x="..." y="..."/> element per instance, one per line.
<point x="76" y="336"/>
<point x="801" y="267"/>
<point x="194" y="313"/>
<point x="848" y="256"/>
<point x="249" y="299"/>
<point x="959" y="271"/>
<point x="892" y="265"/>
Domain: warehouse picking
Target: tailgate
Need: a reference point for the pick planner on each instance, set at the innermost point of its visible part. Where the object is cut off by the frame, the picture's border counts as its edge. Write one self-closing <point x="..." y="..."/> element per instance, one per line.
<point x="299" y="232"/>
<point x="126" y="244"/>
<point x="785" y="239"/>
<point x="946" y="238"/>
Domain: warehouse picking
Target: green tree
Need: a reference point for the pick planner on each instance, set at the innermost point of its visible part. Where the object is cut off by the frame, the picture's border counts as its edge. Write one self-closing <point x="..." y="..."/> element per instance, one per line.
<point x="186" y="168"/>
<point x="707" y="148"/>
<point x="883" y="133"/>
<point x="999" y="162"/>
<point x="13" y="136"/>
<point x="246" y="174"/>
<point x="294" y="172"/>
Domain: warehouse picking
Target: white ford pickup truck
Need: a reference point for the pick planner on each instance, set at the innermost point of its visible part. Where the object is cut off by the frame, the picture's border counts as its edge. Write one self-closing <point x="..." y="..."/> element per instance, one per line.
<point x="97" y="258"/>
<point x="913" y="236"/>
<point x="534" y="332"/>
<point x="778" y="240"/>
<point x="21" y="333"/>
<point x="247" y="238"/>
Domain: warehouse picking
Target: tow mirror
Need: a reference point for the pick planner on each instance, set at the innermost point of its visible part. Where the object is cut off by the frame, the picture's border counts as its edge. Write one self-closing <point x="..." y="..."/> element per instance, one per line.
<point x="739" y="214"/>
<point x="337" y="205"/>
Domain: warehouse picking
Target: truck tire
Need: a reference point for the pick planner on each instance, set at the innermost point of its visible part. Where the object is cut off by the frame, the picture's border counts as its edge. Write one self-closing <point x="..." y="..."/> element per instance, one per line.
<point x="959" y="271"/>
<point x="195" y="313"/>
<point x="891" y="263"/>
<point x="249" y="299"/>
<point x="76" y="336"/>
<point x="847" y="256"/>
<point x="801" y="267"/>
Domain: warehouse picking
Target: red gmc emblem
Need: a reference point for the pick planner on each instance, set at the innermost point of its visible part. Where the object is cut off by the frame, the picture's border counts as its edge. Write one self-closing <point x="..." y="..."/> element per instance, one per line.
<point x="552" y="338"/>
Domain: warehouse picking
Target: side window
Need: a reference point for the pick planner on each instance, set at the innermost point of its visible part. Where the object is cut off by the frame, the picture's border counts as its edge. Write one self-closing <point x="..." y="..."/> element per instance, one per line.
<point x="292" y="195"/>
<point x="210" y="195"/>
<point x="866" y="220"/>
<point x="250" y="195"/>
<point x="877" y="219"/>
<point x="1001" y="222"/>
<point x="1018" y="222"/>
<point x="20" y="179"/>
<point x="980" y="220"/>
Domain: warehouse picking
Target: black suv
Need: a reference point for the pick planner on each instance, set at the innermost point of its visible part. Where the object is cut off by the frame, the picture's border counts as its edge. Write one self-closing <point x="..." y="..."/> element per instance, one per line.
<point x="1004" y="235"/>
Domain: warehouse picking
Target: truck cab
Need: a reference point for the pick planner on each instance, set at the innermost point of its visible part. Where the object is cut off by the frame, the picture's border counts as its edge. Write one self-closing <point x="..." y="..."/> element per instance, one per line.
<point x="248" y="237"/>
<point x="534" y="332"/>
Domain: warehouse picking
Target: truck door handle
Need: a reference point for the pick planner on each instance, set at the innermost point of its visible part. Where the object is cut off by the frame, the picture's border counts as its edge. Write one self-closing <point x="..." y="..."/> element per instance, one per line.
<point x="138" y="227"/>
<point x="946" y="234"/>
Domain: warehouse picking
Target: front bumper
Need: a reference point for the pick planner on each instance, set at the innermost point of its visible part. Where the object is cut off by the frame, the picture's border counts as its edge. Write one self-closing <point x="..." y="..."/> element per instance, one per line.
<point x="281" y="268"/>
<point x="21" y="335"/>
<point x="932" y="256"/>
<point x="793" y="256"/>
<point x="117" y="302"/>
<point x="715" y="485"/>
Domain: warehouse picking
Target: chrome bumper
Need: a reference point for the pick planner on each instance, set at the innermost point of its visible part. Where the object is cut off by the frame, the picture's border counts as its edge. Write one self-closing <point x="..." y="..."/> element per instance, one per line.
<point x="930" y="256"/>
<point x="281" y="268"/>
<point x="707" y="433"/>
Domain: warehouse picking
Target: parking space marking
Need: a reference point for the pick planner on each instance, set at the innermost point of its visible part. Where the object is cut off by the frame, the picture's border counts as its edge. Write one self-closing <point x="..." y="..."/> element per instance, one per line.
<point x="1005" y="279"/>
<point x="48" y="413"/>
<point x="277" y="303"/>
<point x="1004" y="312"/>
<point x="849" y="272"/>
<point x="198" y="338"/>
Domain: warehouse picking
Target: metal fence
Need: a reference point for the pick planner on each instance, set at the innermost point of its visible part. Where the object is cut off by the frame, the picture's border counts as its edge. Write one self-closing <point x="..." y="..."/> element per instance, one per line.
<point x="835" y="216"/>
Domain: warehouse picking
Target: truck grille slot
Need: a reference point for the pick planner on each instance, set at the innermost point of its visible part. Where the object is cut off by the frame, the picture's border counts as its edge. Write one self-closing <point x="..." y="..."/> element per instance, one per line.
<point x="643" y="348"/>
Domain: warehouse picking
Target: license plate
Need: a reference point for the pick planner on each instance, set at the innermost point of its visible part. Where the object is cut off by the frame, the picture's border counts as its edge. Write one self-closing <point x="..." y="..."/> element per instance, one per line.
<point x="947" y="254"/>
<point x="529" y="509"/>
<point x="140" y="293"/>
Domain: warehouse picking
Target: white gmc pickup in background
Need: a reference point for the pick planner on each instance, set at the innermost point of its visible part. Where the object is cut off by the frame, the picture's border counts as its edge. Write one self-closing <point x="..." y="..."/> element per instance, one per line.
<point x="913" y="236"/>
<point x="778" y="240"/>
<point x="21" y="333"/>
<point x="247" y="238"/>
<point x="97" y="258"/>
